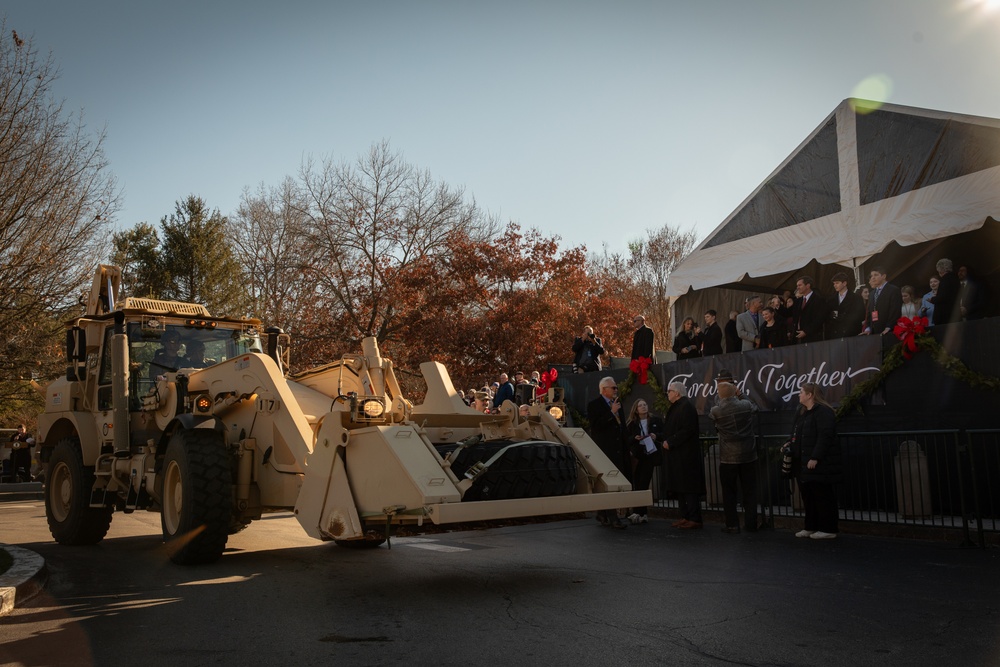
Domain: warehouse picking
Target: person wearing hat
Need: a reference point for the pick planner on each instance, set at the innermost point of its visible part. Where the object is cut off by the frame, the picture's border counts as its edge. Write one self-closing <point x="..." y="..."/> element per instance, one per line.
<point x="481" y="403"/>
<point x="734" y="417"/>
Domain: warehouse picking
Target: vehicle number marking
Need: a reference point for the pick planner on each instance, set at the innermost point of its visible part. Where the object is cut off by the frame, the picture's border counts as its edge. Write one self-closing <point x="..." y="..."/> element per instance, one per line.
<point x="267" y="405"/>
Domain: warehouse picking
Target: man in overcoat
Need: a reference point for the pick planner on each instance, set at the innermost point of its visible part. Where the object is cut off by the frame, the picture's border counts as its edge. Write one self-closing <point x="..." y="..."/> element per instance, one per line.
<point x="607" y="429"/>
<point x="684" y="460"/>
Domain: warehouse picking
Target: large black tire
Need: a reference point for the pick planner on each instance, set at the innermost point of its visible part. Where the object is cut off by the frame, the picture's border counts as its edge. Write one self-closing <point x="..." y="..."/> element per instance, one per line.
<point x="67" y="498"/>
<point x="531" y="469"/>
<point x="197" y="497"/>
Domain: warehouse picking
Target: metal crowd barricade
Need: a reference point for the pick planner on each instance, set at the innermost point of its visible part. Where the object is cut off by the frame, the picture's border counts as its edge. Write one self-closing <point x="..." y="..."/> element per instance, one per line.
<point x="947" y="479"/>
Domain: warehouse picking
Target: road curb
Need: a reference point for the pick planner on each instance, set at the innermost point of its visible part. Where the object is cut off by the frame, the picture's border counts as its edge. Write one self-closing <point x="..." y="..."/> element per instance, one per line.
<point x="21" y="491"/>
<point x="24" y="580"/>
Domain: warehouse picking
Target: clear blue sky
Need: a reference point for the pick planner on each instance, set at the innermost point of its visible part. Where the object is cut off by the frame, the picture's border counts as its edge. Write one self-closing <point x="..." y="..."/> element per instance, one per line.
<point x="590" y="120"/>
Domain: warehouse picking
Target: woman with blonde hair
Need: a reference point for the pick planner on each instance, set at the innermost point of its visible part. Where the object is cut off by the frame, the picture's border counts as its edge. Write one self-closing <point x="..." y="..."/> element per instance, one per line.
<point x="814" y="445"/>
<point x="911" y="302"/>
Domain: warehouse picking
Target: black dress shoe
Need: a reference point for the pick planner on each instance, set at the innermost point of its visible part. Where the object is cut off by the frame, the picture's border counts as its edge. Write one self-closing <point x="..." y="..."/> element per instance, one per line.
<point x="617" y="522"/>
<point x="732" y="530"/>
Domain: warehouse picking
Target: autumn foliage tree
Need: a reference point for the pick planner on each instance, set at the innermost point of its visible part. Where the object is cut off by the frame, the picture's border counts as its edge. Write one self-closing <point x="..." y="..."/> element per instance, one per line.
<point x="367" y="227"/>
<point x="514" y="301"/>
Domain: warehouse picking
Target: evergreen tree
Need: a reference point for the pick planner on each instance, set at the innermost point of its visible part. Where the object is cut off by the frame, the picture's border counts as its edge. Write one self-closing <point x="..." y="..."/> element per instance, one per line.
<point x="197" y="260"/>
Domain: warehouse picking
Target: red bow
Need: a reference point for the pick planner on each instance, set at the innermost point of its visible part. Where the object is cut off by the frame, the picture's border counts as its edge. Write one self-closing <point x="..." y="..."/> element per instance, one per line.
<point x="547" y="380"/>
<point x="907" y="329"/>
<point x="640" y="367"/>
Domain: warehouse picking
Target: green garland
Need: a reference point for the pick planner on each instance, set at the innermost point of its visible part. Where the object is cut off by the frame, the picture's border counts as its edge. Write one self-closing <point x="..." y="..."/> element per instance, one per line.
<point x="661" y="403"/>
<point x="894" y="359"/>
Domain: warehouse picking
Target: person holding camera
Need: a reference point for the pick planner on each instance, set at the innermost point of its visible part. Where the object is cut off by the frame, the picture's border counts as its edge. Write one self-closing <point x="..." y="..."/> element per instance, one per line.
<point x="587" y="349"/>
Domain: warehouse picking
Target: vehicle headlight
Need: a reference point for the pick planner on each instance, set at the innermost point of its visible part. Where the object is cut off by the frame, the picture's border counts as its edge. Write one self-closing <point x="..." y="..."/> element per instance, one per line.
<point x="372" y="408"/>
<point x="556" y="412"/>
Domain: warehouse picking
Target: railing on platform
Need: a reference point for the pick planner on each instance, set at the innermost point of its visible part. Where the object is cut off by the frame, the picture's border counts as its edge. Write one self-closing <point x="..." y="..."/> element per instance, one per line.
<point x="939" y="479"/>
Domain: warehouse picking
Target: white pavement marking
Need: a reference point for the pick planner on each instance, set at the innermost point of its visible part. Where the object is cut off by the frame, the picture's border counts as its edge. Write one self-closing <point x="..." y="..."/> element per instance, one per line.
<point x="423" y="543"/>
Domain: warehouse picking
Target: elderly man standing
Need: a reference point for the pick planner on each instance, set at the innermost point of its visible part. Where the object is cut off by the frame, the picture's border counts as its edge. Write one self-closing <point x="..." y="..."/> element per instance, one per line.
<point x="684" y="460"/>
<point x="607" y="429"/>
<point x="748" y="324"/>
<point x="505" y="392"/>
<point x="733" y="418"/>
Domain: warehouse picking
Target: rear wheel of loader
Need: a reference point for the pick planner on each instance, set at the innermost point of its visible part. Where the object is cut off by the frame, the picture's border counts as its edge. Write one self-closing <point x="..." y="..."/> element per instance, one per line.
<point x="197" y="496"/>
<point x="67" y="498"/>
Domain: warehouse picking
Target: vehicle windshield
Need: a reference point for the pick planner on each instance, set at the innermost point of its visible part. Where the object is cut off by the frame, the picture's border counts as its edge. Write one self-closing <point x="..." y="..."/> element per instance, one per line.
<point x="167" y="348"/>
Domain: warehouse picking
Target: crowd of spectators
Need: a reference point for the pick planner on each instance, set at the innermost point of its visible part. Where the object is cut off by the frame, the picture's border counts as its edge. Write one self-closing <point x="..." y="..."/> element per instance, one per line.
<point x="808" y="314"/>
<point x="488" y="398"/>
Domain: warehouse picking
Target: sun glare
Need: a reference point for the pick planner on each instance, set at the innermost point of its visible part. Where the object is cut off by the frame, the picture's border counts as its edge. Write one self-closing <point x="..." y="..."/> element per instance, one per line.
<point x="981" y="7"/>
<point x="871" y="93"/>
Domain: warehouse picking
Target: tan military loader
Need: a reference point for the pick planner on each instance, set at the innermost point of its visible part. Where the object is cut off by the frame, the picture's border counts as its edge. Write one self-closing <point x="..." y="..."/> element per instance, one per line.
<point x="166" y="408"/>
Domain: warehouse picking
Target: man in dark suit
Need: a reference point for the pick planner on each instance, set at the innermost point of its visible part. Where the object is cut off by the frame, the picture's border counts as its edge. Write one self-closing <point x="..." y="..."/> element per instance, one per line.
<point x="970" y="295"/>
<point x="885" y="305"/>
<point x="711" y="339"/>
<point x="946" y="303"/>
<point x="733" y="342"/>
<point x="608" y="431"/>
<point x="642" y="340"/>
<point x="845" y="309"/>
<point x="809" y="312"/>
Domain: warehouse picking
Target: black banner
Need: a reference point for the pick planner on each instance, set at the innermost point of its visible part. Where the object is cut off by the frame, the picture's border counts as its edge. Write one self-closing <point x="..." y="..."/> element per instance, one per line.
<point x="772" y="378"/>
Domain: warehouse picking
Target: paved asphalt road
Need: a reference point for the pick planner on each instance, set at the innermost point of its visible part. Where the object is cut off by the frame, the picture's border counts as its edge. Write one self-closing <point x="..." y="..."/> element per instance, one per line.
<point x="564" y="593"/>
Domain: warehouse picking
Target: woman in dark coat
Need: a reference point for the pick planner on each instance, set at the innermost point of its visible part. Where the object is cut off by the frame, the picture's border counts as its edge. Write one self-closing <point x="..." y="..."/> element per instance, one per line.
<point x="687" y="343"/>
<point x="815" y="448"/>
<point x="642" y="423"/>
<point x="772" y="332"/>
<point x="684" y="460"/>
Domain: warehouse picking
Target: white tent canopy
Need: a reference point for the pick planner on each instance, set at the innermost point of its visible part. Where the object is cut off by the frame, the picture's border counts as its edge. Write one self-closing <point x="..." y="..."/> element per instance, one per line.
<point x="868" y="176"/>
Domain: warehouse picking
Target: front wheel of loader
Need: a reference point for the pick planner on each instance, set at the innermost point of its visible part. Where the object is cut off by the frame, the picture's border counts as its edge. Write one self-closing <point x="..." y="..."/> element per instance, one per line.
<point x="67" y="498"/>
<point x="197" y="497"/>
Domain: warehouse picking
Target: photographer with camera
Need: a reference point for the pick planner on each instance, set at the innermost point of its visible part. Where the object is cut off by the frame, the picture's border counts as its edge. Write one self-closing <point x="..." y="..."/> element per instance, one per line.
<point x="588" y="349"/>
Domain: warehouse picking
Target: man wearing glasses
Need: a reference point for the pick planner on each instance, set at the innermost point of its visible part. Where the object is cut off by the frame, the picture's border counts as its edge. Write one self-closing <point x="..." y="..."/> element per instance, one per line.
<point x="608" y="431"/>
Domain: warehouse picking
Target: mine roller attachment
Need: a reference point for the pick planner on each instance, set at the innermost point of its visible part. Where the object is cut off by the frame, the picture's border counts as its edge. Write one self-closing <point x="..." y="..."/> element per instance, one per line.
<point x="505" y="470"/>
